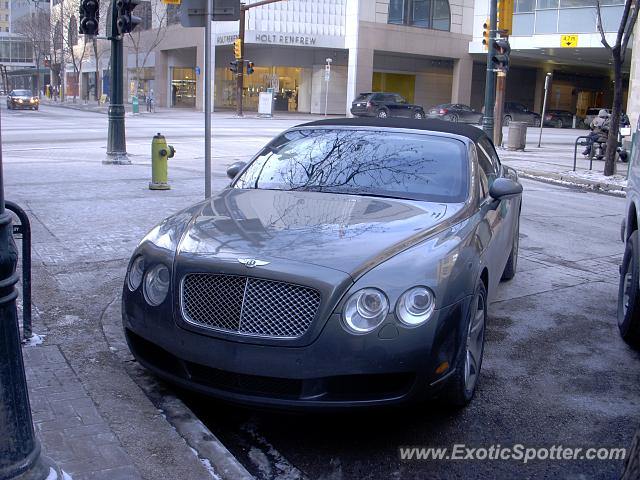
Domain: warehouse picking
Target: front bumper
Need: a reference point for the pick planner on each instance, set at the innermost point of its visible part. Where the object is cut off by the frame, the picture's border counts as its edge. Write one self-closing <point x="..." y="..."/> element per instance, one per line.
<point x="388" y="366"/>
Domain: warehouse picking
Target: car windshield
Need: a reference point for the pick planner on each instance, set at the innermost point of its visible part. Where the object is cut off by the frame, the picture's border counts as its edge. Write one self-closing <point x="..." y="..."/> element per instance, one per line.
<point x="362" y="97"/>
<point x="22" y="93"/>
<point x="377" y="163"/>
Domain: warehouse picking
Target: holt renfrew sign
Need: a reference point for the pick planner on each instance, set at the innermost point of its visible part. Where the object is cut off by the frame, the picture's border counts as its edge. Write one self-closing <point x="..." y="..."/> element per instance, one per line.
<point x="283" y="38"/>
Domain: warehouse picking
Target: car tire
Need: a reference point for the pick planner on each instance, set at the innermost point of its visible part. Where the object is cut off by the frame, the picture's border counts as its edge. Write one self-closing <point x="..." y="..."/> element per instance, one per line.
<point x="559" y="123"/>
<point x="506" y="121"/>
<point x="382" y="113"/>
<point x="418" y="115"/>
<point x="629" y="293"/>
<point x="512" y="262"/>
<point x="452" y="118"/>
<point x="462" y="385"/>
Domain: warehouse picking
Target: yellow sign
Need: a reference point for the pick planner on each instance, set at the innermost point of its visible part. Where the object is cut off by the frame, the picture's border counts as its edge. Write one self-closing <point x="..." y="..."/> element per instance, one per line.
<point x="569" y="41"/>
<point x="171" y="2"/>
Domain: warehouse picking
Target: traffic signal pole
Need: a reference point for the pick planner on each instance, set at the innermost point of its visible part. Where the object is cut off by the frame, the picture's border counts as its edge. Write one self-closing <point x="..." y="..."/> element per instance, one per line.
<point x="501" y="83"/>
<point x="490" y="84"/>
<point x="116" y="140"/>
<point x="240" y="59"/>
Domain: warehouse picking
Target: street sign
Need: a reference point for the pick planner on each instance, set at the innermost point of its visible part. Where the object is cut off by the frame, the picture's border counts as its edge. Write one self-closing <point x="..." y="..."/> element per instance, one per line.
<point x="170" y="2"/>
<point x="192" y="12"/>
<point x="569" y="41"/>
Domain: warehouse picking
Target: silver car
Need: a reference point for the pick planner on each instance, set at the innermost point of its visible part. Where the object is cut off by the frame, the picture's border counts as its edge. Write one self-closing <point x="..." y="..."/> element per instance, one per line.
<point x="350" y="263"/>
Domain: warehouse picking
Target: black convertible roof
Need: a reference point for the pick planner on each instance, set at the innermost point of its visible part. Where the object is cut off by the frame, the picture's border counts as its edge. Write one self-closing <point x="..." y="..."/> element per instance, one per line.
<point x="468" y="131"/>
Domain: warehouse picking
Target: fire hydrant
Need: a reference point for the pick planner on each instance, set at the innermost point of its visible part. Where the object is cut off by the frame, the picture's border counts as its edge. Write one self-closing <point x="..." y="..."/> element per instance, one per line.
<point x="160" y="154"/>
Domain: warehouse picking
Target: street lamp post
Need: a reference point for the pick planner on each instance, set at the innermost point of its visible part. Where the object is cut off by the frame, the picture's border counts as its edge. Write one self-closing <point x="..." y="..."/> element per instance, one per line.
<point x="20" y="454"/>
<point x="116" y="140"/>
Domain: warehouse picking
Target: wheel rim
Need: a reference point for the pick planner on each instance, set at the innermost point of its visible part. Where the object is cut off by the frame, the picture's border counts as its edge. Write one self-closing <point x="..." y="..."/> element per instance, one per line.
<point x="454" y="119"/>
<point x="626" y="291"/>
<point x="382" y="114"/>
<point x="475" y="341"/>
<point x="417" y="116"/>
<point x="507" y="120"/>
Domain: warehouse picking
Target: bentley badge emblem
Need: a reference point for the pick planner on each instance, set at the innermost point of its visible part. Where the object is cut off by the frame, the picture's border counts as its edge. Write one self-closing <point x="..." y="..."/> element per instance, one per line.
<point x="252" y="262"/>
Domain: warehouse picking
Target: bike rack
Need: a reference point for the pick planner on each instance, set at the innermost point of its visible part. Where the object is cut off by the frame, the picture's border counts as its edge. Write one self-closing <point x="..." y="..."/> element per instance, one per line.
<point x="575" y="151"/>
<point x="24" y="229"/>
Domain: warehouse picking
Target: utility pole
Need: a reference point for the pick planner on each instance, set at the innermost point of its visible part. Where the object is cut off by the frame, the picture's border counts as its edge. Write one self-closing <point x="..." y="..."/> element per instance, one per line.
<point x="207" y="98"/>
<point x="501" y="83"/>
<point x="20" y="454"/>
<point x="240" y="59"/>
<point x="490" y="83"/>
<point x="547" y="85"/>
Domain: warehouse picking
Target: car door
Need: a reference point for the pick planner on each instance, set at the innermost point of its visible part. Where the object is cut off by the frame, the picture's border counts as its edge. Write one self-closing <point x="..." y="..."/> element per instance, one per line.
<point x="497" y="214"/>
<point x="464" y="113"/>
<point x="403" y="108"/>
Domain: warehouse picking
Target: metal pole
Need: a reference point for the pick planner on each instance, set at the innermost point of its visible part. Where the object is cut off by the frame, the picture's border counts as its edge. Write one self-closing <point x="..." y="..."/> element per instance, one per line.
<point x="326" y="96"/>
<point x="490" y="84"/>
<point x="20" y="454"/>
<point x="240" y="72"/>
<point x="116" y="141"/>
<point x="501" y="83"/>
<point x="547" y="81"/>
<point x="207" y="100"/>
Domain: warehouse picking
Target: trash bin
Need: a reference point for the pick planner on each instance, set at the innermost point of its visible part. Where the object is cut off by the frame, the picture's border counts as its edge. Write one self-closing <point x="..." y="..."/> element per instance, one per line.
<point x="517" y="136"/>
<point x="134" y="104"/>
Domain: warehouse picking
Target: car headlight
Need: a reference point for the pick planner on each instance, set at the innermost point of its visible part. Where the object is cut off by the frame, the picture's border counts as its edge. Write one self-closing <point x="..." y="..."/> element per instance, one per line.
<point x="415" y="306"/>
<point x="136" y="272"/>
<point x="365" y="310"/>
<point x="156" y="285"/>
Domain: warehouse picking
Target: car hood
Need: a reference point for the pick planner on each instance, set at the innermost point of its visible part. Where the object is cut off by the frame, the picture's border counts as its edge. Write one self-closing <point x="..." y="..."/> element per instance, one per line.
<point x="348" y="233"/>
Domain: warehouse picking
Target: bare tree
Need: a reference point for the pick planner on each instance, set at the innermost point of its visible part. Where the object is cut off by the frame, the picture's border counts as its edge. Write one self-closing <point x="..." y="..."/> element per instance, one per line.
<point x="76" y="48"/>
<point x="146" y="38"/>
<point x="617" y="51"/>
<point x="34" y="28"/>
<point x="57" y="53"/>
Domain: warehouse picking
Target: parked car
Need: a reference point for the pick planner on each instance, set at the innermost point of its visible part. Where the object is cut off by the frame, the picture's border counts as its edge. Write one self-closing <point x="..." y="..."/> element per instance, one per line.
<point x="349" y="263"/>
<point x="456" y="112"/>
<point x="385" y="105"/>
<point x="22" y="99"/>
<point x="558" y="118"/>
<point x="519" y="113"/>
<point x="629" y="287"/>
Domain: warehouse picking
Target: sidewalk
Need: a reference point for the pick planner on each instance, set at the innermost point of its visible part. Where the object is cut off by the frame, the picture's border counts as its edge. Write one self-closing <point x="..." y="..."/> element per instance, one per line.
<point x="553" y="162"/>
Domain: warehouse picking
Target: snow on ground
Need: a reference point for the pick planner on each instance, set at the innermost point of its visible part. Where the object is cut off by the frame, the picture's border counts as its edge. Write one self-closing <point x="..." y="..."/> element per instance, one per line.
<point x="594" y="176"/>
<point x="34" y="341"/>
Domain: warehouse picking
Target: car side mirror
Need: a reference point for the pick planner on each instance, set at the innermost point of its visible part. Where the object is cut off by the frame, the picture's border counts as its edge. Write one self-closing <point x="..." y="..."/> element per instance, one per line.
<point x="234" y="169"/>
<point x="504" y="188"/>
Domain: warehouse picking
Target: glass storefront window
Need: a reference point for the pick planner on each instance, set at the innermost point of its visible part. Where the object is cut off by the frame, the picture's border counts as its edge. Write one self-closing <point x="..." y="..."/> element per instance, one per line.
<point x="183" y="87"/>
<point x="285" y="82"/>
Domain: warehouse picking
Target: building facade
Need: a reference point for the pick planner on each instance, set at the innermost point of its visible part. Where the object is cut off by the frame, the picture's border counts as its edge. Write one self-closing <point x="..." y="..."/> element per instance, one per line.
<point x="418" y="48"/>
<point x="559" y="37"/>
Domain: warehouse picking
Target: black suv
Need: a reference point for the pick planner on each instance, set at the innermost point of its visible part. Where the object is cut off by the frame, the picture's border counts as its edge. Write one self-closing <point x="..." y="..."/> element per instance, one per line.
<point x="384" y="105"/>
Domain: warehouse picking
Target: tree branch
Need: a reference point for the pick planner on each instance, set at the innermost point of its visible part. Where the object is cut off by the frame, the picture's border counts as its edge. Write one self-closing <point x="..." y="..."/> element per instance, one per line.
<point x="603" y="38"/>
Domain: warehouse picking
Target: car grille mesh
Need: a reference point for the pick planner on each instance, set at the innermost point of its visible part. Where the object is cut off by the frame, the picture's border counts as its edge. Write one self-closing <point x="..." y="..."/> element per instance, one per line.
<point x="247" y="305"/>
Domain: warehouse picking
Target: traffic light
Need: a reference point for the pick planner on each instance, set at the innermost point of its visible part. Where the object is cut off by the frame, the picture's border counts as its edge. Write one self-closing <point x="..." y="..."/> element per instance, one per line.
<point x="502" y="50"/>
<point x="126" y="22"/>
<point x="486" y="30"/>
<point x="249" y="68"/>
<point x="89" y="17"/>
<point x="234" y="67"/>
<point x="505" y="16"/>
<point x="237" y="48"/>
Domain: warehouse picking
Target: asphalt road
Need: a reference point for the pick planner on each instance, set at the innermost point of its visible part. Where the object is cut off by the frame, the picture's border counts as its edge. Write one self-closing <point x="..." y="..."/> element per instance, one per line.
<point x="555" y="373"/>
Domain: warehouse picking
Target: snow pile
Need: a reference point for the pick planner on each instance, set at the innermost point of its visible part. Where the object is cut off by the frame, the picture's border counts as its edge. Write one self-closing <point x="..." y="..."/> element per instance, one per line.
<point x="618" y="180"/>
<point x="35" y="340"/>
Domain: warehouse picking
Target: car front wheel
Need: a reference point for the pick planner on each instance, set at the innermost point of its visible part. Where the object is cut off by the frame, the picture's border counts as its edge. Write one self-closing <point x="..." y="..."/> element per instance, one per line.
<point x="628" y="293"/>
<point x="559" y="123"/>
<point x="418" y="115"/>
<point x="462" y="385"/>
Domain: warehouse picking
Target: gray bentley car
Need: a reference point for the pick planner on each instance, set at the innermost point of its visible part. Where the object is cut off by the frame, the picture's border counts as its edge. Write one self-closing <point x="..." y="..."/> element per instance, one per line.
<point x="349" y="263"/>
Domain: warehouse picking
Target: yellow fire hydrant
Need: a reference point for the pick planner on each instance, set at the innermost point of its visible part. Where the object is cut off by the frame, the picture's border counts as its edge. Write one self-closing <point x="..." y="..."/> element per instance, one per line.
<point x="160" y="154"/>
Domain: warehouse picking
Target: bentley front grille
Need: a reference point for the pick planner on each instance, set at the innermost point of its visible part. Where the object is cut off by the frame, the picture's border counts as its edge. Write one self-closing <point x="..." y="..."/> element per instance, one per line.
<point x="247" y="305"/>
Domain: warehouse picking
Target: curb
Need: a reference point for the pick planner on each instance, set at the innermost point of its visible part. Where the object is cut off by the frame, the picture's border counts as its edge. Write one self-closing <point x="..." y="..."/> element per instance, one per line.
<point x="570" y="181"/>
<point x="209" y="450"/>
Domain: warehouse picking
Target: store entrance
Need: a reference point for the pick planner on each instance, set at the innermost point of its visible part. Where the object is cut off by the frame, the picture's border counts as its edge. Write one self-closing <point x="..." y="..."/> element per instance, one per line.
<point x="183" y="87"/>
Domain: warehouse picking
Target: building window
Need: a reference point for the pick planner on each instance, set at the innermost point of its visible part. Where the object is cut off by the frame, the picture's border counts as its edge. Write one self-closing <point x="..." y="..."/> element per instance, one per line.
<point x="545" y="4"/>
<point x="143" y="10"/>
<point x="433" y="14"/>
<point x="524" y="6"/>
<point x="173" y="14"/>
